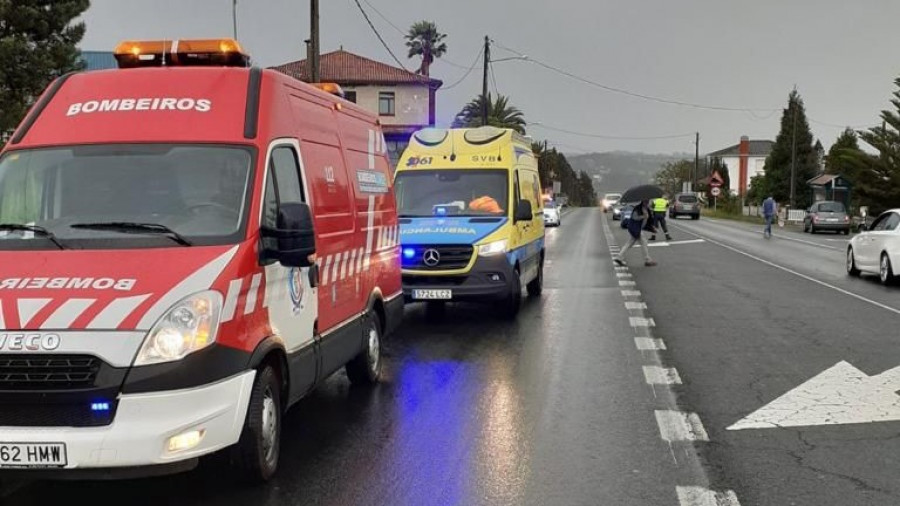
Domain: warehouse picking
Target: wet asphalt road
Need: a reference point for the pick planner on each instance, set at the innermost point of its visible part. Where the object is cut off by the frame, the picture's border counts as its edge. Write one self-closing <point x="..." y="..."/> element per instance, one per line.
<point x="746" y="320"/>
<point x="552" y="409"/>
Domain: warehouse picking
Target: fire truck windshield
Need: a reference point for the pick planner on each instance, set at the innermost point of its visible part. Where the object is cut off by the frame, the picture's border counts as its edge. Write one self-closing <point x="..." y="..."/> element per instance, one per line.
<point x="198" y="192"/>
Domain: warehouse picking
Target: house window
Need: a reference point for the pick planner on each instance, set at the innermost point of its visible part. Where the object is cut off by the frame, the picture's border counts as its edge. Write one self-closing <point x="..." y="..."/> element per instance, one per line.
<point x="386" y="103"/>
<point x="350" y="95"/>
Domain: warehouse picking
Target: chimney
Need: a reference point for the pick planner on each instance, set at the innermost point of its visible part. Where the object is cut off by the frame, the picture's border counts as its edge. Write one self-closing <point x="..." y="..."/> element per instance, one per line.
<point x="743" y="153"/>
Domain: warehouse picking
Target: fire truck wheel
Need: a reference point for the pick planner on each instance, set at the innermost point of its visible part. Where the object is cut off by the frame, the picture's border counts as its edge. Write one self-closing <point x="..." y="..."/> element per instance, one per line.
<point x="366" y="368"/>
<point x="256" y="453"/>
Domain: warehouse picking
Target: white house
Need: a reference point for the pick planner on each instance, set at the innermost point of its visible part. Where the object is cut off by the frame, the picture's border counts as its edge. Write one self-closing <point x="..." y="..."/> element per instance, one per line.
<point x="744" y="160"/>
<point x="404" y="101"/>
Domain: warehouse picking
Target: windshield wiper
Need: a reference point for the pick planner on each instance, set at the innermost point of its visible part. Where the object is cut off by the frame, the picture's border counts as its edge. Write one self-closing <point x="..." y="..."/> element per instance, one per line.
<point x="41" y="231"/>
<point x="127" y="227"/>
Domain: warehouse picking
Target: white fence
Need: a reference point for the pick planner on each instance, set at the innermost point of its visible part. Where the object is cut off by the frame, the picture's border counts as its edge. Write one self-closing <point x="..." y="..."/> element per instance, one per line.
<point x="793" y="215"/>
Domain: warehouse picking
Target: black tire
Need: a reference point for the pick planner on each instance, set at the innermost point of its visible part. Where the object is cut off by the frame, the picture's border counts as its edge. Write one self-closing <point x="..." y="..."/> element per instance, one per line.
<point x="536" y="286"/>
<point x="886" y="270"/>
<point x="257" y="451"/>
<point x="366" y="368"/>
<point x="852" y="270"/>
<point x="846" y="231"/>
<point x="513" y="302"/>
<point x="695" y="217"/>
<point x="805" y="227"/>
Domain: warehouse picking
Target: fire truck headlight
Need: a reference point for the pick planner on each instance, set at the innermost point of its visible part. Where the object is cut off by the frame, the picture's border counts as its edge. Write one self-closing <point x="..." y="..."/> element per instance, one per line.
<point x="188" y="326"/>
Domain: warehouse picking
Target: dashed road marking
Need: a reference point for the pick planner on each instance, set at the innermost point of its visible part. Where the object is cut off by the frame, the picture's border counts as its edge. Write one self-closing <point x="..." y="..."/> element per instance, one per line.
<point x="699" y="496"/>
<point x="627" y="283"/>
<point x="676" y="426"/>
<point x="635" y="305"/>
<point x="649" y="343"/>
<point x="631" y="293"/>
<point x="639" y="321"/>
<point x="656" y="375"/>
<point x="623" y="275"/>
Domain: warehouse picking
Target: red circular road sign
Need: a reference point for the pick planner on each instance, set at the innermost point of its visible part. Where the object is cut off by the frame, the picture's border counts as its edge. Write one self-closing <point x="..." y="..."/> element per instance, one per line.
<point x="715" y="191"/>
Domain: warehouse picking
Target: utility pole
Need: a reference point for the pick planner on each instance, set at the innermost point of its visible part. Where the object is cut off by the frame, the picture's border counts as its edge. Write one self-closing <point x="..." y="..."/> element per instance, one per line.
<point x="793" y="149"/>
<point x="313" y="58"/>
<point x="696" y="162"/>
<point x="234" y="17"/>
<point x="484" y="85"/>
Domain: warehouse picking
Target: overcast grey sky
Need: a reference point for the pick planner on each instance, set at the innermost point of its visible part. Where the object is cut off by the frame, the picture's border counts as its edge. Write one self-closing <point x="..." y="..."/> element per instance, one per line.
<point x="737" y="54"/>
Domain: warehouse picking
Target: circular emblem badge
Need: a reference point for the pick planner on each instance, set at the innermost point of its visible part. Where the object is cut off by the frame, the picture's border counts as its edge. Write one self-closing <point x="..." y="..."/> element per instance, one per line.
<point x="295" y="287"/>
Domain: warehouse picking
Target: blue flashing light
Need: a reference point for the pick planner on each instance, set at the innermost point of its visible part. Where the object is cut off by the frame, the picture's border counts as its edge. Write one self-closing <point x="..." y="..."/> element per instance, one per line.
<point x="441" y="211"/>
<point x="99" y="406"/>
<point x="409" y="253"/>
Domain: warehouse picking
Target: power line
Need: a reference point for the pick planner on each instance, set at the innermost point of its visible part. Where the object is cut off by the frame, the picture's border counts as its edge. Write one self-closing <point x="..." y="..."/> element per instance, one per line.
<point x="611" y="137"/>
<point x="614" y="89"/>
<point x="401" y="32"/>
<point x="469" y="71"/>
<point x="494" y="79"/>
<point x="383" y="43"/>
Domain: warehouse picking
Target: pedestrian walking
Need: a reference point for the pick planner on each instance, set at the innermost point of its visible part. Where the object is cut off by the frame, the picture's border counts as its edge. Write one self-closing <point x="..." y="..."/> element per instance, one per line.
<point x="770" y="210"/>
<point x="660" y="206"/>
<point x="641" y="219"/>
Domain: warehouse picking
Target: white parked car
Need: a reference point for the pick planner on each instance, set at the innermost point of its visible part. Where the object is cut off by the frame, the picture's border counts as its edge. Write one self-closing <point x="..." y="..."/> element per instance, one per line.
<point x="876" y="249"/>
<point x="551" y="214"/>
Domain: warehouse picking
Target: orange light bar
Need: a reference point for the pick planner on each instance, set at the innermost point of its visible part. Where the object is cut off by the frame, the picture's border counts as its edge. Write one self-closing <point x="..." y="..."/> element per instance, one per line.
<point x="332" y="88"/>
<point x="191" y="52"/>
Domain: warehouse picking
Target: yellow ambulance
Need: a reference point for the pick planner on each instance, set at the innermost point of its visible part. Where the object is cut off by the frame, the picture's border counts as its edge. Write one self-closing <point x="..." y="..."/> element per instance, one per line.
<point x="471" y="217"/>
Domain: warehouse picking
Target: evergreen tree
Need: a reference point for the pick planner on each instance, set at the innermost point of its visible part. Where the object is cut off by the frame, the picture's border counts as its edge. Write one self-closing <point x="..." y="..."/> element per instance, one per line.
<point x="877" y="182"/>
<point x="847" y="144"/>
<point x="795" y="137"/>
<point x="37" y="44"/>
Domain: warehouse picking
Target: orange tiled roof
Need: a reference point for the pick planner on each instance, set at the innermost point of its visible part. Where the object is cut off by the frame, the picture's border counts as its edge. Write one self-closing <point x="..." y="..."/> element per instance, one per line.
<point x="346" y="68"/>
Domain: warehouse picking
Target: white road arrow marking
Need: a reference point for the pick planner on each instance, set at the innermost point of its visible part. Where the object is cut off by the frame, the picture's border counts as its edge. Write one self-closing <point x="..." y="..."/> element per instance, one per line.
<point x="840" y="395"/>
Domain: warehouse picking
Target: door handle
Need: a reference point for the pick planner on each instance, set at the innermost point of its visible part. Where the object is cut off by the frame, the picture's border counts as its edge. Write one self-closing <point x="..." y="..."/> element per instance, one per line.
<point x="314" y="275"/>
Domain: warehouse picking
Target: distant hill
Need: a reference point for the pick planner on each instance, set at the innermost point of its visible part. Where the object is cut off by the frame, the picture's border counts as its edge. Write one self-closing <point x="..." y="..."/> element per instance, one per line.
<point x="619" y="170"/>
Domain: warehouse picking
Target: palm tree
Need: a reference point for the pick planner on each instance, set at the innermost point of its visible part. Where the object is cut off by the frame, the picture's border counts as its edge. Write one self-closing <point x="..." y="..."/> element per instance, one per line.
<point x="426" y="41"/>
<point x="500" y="114"/>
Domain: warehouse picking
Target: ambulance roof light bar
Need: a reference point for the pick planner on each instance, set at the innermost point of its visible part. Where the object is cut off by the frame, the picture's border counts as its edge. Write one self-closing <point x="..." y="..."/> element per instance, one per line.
<point x="332" y="88"/>
<point x="181" y="53"/>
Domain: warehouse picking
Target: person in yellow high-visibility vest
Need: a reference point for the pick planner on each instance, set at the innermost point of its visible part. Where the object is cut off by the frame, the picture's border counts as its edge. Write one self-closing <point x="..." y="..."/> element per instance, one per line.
<point x="660" y="206"/>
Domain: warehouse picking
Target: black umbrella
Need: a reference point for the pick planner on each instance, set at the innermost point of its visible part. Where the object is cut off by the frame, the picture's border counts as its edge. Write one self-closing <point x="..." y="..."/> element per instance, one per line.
<point x="642" y="192"/>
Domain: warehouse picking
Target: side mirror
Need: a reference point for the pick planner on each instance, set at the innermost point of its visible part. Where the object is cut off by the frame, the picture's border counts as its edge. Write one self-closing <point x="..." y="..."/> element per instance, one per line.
<point x="294" y="238"/>
<point x="524" y="212"/>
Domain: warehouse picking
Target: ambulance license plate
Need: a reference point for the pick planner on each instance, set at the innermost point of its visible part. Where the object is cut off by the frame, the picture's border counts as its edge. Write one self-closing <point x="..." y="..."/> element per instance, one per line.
<point x="18" y="455"/>
<point x="420" y="294"/>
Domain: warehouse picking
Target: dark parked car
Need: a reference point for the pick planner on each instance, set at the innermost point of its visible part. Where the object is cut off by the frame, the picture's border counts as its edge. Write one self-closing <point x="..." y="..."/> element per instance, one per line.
<point x="827" y="215"/>
<point x="685" y="204"/>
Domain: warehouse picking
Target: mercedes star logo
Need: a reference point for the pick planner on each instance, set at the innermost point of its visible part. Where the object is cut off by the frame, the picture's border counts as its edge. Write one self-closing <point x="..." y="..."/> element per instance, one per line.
<point x="431" y="257"/>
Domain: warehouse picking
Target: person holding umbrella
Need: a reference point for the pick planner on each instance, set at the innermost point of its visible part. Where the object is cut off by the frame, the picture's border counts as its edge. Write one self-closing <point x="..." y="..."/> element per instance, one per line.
<point x="641" y="219"/>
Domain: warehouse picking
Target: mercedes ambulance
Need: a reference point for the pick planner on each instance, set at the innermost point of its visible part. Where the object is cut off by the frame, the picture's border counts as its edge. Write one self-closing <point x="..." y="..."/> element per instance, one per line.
<point x="471" y="217"/>
<point x="188" y="245"/>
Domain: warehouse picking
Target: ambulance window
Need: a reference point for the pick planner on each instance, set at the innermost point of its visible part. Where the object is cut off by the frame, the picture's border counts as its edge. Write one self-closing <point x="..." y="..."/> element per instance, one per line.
<point x="283" y="183"/>
<point x="287" y="176"/>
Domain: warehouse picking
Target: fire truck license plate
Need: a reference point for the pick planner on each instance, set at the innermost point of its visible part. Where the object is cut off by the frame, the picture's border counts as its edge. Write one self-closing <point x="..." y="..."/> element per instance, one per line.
<point x="432" y="294"/>
<point x="32" y="455"/>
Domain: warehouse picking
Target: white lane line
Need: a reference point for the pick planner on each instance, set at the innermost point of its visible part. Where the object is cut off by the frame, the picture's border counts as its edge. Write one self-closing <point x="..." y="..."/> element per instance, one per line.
<point x="758" y="233"/>
<point x="649" y="344"/>
<point x="675" y="426"/>
<point x="627" y="283"/>
<point x="635" y="305"/>
<point x="656" y="375"/>
<point x="623" y="274"/>
<point x="631" y="293"/>
<point x="699" y="496"/>
<point x="800" y="275"/>
<point x="674" y="243"/>
<point x="620" y="268"/>
<point x="638" y="321"/>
